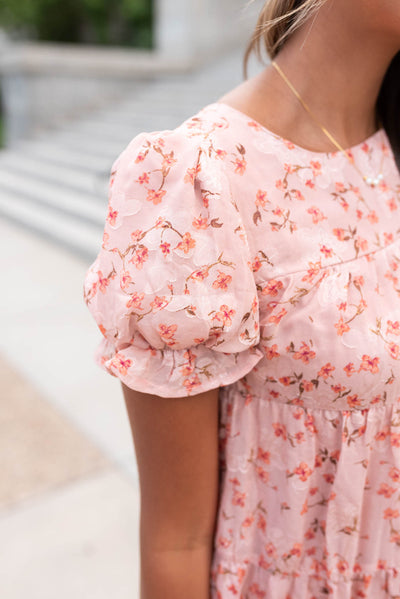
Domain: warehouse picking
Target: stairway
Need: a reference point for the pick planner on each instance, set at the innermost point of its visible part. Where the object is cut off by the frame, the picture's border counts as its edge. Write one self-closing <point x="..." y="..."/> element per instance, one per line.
<point x="56" y="183"/>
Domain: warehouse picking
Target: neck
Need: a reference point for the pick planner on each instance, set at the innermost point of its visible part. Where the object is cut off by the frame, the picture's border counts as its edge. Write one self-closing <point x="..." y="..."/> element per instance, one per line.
<point x="337" y="67"/>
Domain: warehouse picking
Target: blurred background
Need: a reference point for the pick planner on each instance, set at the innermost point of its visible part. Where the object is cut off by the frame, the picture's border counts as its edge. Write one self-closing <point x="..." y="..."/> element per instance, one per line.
<point x="78" y="80"/>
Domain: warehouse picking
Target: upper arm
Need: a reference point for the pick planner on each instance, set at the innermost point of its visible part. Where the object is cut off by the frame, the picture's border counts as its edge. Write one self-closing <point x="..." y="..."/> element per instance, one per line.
<point x="176" y="445"/>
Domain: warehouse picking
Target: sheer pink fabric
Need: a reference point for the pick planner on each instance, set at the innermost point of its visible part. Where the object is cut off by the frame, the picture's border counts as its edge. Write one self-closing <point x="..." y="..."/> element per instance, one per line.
<point x="234" y="258"/>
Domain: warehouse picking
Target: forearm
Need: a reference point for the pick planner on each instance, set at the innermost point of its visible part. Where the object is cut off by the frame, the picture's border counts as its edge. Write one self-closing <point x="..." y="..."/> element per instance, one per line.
<point x="176" y="574"/>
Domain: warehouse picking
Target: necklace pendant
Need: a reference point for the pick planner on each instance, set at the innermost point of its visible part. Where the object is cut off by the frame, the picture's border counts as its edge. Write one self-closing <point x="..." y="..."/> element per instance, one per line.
<point x="373" y="181"/>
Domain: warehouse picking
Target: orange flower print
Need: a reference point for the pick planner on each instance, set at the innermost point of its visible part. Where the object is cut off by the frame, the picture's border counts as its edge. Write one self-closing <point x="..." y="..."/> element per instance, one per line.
<point x="159" y="303"/>
<point x="261" y="198"/>
<point x="394" y="350"/>
<point x="222" y="281"/>
<point x="272" y="287"/>
<point x="186" y="244"/>
<point x="369" y="363"/>
<point x="328" y="252"/>
<point x="313" y="270"/>
<point x="341" y="326"/>
<point x="168" y="161"/>
<point x="393" y="328"/>
<point x="305" y="354"/>
<point x="125" y="279"/>
<point x="263" y="455"/>
<point x="135" y="301"/>
<point x="155" y="196"/>
<point x="225" y="315"/>
<point x="276" y="318"/>
<point x="262" y="474"/>
<point x="389" y="513"/>
<point x="303" y="471"/>
<point x="200" y="274"/>
<point x="326" y="370"/>
<point x="200" y="223"/>
<point x="386" y="490"/>
<point x="317" y="215"/>
<point x="111" y="216"/>
<point x="240" y="166"/>
<point x="103" y="281"/>
<point x="280" y="430"/>
<point x="271" y="352"/>
<point x="167" y="333"/>
<point x="238" y="498"/>
<point x="142" y="179"/>
<point x="339" y="233"/>
<point x="140" y="257"/>
<point x="191" y="174"/>
<point x="121" y="363"/>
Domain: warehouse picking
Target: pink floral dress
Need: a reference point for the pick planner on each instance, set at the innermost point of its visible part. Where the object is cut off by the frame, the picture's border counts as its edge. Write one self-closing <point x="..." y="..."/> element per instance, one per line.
<point x="233" y="258"/>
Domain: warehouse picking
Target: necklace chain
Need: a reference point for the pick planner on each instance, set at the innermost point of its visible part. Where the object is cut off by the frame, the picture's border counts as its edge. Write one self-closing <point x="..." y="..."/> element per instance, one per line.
<point x="373" y="181"/>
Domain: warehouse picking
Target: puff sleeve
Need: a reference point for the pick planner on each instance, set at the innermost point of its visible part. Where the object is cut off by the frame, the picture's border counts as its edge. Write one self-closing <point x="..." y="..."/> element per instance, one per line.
<point x="172" y="289"/>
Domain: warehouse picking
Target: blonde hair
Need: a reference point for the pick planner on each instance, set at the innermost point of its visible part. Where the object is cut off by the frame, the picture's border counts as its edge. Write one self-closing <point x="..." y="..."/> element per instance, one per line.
<point x="278" y="19"/>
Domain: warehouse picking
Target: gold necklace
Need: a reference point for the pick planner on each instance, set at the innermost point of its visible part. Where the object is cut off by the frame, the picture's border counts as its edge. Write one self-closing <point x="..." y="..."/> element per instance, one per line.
<point x="372" y="181"/>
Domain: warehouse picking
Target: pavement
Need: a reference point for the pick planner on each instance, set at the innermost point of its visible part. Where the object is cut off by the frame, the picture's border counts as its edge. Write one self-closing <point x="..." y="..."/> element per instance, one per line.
<point x="69" y="492"/>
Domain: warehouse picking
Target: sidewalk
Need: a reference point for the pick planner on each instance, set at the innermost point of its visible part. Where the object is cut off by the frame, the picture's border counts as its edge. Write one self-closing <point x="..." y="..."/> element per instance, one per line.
<point x="69" y="499"/>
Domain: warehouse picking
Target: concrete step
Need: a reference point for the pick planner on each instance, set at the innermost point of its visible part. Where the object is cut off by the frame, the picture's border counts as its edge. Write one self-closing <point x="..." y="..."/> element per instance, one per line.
<point x="82" y="238"/>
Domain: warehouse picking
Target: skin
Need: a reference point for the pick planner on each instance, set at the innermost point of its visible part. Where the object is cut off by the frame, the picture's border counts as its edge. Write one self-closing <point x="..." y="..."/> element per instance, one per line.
<point x="336" y="61"/>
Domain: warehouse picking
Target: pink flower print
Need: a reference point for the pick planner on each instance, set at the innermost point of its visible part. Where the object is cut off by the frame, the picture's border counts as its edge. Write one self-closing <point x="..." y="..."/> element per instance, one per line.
<point x="296" y="549"/>
<point x="121" y="363"/>
<point x="125" y="279"/>
<point x="280" y="430"/>
<point x="263" y="475"/>
<point x="326" y="370"/>
<point x="191" y="174"/>
<point x="155" y="196"/>
<point x="220" y="153"/>
<point x="271" y="352"/>
<point x="261" y="198"/>
<point x="200" y="223"/>
<point x="103" y="281"/>
<point x="382" y="434"/>
<point x="111" y="216"/>
<point x="256" y="265"/>
<point x="263" y="455"/>
<point x="281" y="185"/>
<point x="310" y="183"/>
<point x="167" y="333"/>
<point x="394" y="474"/>
<point x="389" y="513"/>
<point x="299" y="437"/>
<point x="285" y="380"/>
<point x="200" y="274"/>
<point x="262" y="523"/>
<point x="159" y="303"/>
<point x="307" y="385"/>
<point x="394" y="350"/>
<point x="309" y="423"/>
<point x="340" y="188"/>
<point x="272" y="287"/>
<point x="388" y="238"/>
<point x="342" y="306"/>
<point x="316" y="166"/>
<point x="276" y="318"/>
<point x="316" y="213"/>
<point x="136" y="235"/>
<point x="393" y="327"/>
<point x="168" y="161"/>
<point x="304" y="353"/>
<point x="342" y="566"/>
<point x="353" y="400"/>
<point x="361" y="243"/>
<point x="165" y="248"/>
<point x="313" y="270"/>
<point x="277" y="211"/>
<point x="248" y="521"/>
<point x="191" y="383"/>
<point x="225" y="315"/>
<point x="386" y="490"/>
<point x="186" y="244"/>
<point x="240" y="166"/>
<point x="395" y="439"/>
<point x="303" y="471"/>
<point x="142" y="179"/>
<point x="297" y="194"/>
<point x="359" y="214"/>
<point x="223" y="542"/>
<point x="372" y="217"/>
<point x="135" y="301"/>
<point x="222" y="281"/>
<point x="254" y="305"/>
<point x="328" y="252"/>
<point x="369" y="363"/>
<point x="140" y="157"/>
<point x="238" y="498"/>
<point x="289" y="168"/>
<point x="140" y="257"/>
<point x="341" y="326"/>
<point x="392" y="205"/>
<point x="339" y="233"/>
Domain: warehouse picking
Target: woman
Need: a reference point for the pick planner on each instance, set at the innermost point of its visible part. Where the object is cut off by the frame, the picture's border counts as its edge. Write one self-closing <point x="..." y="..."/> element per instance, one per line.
<point x="247" y="290"/>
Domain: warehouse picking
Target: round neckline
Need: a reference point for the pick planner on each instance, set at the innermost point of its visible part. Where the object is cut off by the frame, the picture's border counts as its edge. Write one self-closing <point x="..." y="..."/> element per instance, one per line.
<point x="286" y="141"/>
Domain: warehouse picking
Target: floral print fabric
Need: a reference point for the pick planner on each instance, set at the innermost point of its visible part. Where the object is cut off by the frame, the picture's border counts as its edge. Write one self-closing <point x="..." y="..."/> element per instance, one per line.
<point x="233" y="258"/>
